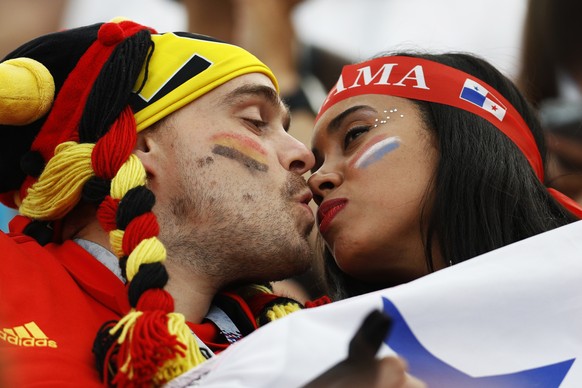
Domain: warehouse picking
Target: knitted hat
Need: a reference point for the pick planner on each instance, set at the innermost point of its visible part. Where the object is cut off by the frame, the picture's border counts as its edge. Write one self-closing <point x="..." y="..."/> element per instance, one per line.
<point x="71" y="104"/>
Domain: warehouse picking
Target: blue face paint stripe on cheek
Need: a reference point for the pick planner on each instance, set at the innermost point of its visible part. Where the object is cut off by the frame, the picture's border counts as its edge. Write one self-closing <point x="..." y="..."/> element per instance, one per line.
<point x="377" y="151"/>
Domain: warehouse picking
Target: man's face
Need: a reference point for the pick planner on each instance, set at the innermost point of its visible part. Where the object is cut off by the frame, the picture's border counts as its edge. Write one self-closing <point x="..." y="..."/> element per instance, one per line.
<point x="230" y="198"/>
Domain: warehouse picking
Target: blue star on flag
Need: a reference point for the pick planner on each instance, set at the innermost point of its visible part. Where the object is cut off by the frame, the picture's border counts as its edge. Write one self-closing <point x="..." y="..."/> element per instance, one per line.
<point x="437" y="373"/>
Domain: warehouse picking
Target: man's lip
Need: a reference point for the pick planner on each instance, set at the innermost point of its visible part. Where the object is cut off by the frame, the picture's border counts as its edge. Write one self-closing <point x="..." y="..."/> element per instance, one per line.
<point x="306" y="198"/>
<point x="327" y="211"/>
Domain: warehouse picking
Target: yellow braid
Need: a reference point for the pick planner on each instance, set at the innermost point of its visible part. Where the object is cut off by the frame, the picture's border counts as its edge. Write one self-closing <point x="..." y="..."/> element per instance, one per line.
<point x="116" y="242"/>
<point x="60" y="185"/>
<point x="131" y="174"/>
<point x="148" y="251"/>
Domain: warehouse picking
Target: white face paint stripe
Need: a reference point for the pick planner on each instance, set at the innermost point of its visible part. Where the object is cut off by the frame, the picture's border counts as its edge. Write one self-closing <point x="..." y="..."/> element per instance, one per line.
<point x="377" y="151"/>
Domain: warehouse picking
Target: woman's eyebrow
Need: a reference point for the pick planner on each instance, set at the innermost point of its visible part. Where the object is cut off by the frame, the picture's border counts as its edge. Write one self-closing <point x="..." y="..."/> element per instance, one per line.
<point x="337" y="121"/>
<point x="266" y="93"/>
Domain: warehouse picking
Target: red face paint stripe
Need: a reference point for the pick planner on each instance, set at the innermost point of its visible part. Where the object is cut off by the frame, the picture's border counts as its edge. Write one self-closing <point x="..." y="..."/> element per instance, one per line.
<point x="359" y="154"/>
<point x="242" y="144"/>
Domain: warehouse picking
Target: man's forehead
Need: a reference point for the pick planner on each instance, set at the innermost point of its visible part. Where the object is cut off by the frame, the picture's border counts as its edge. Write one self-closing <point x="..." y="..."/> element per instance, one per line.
<point x="247" y="83"/>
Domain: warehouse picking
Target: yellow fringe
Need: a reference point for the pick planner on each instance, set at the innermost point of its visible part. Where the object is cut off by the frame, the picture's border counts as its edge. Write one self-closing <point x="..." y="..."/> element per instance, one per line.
<point x="179" y="365"/>
<point x="280" y="311"/>
<point x="131" y="174"/>
<point x="171" y="368"/>
<point x="60" y="185"/>
<point x="260" y="288"/>
<point x="149" y="250"/>
<point x="126" y="323"/>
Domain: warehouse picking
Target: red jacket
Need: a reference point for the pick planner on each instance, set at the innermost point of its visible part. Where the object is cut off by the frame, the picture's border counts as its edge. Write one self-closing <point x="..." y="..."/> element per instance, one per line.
<point x="53" y="299"/>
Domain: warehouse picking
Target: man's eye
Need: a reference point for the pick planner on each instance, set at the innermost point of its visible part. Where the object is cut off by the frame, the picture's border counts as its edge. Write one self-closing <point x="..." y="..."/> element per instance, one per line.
<point x="353" y="133"/>
<point x="256" y="124"/>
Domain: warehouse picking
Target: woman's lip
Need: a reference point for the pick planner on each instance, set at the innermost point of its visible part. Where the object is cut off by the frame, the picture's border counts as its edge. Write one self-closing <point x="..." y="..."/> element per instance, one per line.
<point x="327" y="212"/>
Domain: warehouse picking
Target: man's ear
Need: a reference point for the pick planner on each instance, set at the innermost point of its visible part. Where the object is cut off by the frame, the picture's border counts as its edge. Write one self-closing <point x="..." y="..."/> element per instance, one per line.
<point x="147" y="149"/>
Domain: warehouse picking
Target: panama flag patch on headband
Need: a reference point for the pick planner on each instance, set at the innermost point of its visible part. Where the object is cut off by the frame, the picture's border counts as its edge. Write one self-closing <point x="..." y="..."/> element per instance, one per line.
<point x="478" y="95"/>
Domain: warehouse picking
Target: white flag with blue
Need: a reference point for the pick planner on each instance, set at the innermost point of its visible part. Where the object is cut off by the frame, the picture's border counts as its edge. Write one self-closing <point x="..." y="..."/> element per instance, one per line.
<point x="509" y="318"/>
<point x="476" y="94"/>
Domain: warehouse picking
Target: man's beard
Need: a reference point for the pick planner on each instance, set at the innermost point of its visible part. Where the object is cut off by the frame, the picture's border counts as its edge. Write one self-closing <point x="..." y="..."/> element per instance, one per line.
<point x="206" y="233"/>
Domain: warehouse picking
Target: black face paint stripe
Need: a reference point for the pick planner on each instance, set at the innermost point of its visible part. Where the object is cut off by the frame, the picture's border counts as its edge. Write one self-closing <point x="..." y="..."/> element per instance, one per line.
<point x="235" y="154"/>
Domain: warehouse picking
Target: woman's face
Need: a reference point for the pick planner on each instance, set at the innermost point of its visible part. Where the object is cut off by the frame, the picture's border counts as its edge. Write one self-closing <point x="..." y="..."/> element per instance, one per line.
<point x="374" y="163"/>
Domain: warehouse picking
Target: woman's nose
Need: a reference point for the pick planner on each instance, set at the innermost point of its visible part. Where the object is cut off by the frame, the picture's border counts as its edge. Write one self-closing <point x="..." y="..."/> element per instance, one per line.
<point x="322" y="182"/>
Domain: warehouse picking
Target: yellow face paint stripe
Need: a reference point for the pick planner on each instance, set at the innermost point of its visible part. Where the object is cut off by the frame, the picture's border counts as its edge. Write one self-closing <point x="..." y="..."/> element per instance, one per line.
<point x="243" y="144"/>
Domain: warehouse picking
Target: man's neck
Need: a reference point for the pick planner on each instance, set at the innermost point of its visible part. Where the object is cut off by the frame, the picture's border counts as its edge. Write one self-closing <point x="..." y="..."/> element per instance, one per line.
<point x="192" y="293"/>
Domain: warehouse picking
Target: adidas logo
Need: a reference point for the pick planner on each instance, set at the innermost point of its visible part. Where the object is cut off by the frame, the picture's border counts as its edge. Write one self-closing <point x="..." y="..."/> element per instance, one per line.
<point x="28" y="335"/>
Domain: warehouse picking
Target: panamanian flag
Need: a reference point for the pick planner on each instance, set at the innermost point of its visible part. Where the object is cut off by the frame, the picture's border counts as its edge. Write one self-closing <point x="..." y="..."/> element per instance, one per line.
<point x="476" y="94"/>
<point x="511" y="318"/>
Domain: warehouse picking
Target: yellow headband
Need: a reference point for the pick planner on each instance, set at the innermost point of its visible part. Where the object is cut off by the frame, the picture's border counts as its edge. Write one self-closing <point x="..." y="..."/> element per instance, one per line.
<point x="182" y="68"/>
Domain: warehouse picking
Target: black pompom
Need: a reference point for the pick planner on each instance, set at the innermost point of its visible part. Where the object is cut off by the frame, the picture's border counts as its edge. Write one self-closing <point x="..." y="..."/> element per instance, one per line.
<point x="151" y="275"/>
<point x="32" y="163"/>
<point x="96" y="189"/>
<point x="41" y="231"/>
<point x="134" y="203"/>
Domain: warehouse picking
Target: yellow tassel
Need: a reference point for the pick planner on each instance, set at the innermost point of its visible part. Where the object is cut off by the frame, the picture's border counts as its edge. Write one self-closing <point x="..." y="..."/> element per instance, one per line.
<point x="60" y="185"/>
<point x="150" y="250"/>
<point x="261" y="288"/>
<point x="127" y="323"/>
<point x="280" y="311"/>
<point x="193" y="356"/>
<point x="131" y="174"/>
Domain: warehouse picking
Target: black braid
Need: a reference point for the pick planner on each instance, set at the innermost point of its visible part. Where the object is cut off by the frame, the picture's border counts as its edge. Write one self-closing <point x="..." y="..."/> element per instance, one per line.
<point x="152" y="275"/>
<point x="113" y="87"/>
<point x="96" y="189"/>
<point x="135" y="202"/>
<point x="123" y="266"/>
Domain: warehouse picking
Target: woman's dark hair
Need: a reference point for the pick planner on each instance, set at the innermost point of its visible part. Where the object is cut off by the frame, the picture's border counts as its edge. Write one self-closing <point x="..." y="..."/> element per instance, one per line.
<point x="484" y="195"/>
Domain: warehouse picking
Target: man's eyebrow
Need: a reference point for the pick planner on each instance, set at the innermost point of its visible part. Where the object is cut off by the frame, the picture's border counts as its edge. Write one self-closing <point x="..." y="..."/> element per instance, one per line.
<point x="336" y="123"/>
<point x="268" y="94"/>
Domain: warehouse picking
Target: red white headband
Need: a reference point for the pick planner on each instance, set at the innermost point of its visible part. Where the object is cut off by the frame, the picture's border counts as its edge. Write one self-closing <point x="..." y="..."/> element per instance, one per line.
<point x="421" y="79"/>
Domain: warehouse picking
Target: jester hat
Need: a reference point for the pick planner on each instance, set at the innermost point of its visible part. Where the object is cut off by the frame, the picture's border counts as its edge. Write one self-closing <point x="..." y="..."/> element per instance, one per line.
<point x="71" y="105"/>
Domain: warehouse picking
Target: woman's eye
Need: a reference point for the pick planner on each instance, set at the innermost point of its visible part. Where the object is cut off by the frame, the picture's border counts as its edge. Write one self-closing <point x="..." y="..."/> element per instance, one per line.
<point x="353" y="133"/>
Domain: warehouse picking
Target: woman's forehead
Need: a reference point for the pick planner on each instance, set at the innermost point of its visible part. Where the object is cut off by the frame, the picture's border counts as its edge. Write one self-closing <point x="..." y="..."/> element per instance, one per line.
<point x="378" y="102"/>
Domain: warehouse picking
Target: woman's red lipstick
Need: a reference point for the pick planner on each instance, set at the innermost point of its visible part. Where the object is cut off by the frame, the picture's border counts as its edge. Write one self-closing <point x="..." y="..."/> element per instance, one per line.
<point x="327" y="212"/>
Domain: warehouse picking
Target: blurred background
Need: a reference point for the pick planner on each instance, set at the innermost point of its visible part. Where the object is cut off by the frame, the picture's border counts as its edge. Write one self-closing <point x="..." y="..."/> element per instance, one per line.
<point x="307" y="41"/>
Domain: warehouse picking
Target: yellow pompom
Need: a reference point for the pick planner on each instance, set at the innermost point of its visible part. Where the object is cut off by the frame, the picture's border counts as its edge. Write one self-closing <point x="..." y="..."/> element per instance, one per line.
<point x="27" y="91"/>
<point x="280" y="311"/>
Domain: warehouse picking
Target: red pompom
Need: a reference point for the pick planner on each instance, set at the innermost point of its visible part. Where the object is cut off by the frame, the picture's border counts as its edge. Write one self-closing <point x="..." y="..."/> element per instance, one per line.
<point x="110" y="34"/>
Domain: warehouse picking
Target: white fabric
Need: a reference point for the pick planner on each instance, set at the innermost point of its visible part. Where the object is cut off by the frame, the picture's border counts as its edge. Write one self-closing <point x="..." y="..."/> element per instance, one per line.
<point x="496" y="320"/>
